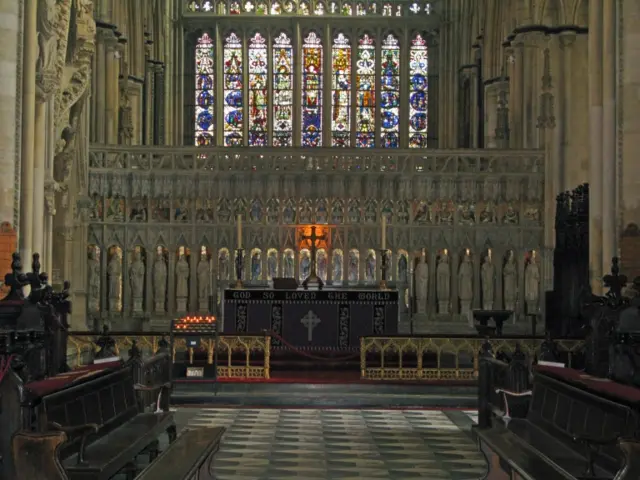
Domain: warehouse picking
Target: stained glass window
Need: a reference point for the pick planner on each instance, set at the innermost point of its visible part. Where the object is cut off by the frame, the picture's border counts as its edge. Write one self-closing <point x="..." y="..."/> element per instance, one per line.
<point x="233" y="104"/>
<point x="418" y="93"/>
<point x="258" y="107"/>
<point x="204" y="128"/>
<point x="390" y="95"/>
<point x="366" y="93"/>
<point x="312" y="91"/>
<point x="282" y="91"/>
<point x="341" y="92"/>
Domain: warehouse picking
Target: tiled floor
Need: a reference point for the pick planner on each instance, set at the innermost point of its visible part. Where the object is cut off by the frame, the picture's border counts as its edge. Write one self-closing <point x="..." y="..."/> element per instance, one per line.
<point x="341" y="444"/>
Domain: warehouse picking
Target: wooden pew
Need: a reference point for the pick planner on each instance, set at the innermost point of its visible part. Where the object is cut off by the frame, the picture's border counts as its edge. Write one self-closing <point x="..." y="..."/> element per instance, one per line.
<point x="105" y="425"/>
<point x="576" y="427"/>
<point x="190" y="457"/>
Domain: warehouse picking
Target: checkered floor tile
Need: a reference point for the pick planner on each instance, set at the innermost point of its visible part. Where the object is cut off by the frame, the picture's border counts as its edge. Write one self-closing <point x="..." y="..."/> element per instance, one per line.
<point x="472" y="414"/>
<point x="341" y="444"/>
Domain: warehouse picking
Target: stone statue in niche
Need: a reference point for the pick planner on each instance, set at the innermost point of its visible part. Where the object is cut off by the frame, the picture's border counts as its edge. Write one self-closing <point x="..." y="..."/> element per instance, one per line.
<point x="402" y="269"/>
<point x="138" y="212"/>
<point x="467" y="212"/>
<point x="289" y="265"/>
<point x="255" y="213"/>
<point x="289" y="213"/>
<point x="488" y="214"/>
<point x="93" y="267"/>
<point x="159" y="281"/>
<point x="305" y="265"/>
<point x="354" y="266"/>
<point x="510" y="282"/>
<point x="136" y="279"/>
<point x="256" y="266"/>
<point x="182" y="283"/>
<point x="48" y="45"/>
<point x="272" y="264"/>
<point x="511" y="216"/>
<point x="182" y="211"/>
<point x="114" y="271"/>
<point x="421" y="284"/>
<point x="305" y="212"/>
<point x="403" y="212"/>
<point x="465" y="283"/>
<point x="160" y="210"/>
<point x="337" y="266"/>
<point x="488" y="282"/>
<point x="443" y="283"/>
<point x="204" y="281"/>
<point x="322" y="265"/>
<point x="223" y="265"/>
<point x="422" y="213"/>
<point x="115" y="209"/>
<point x="445" y="213"/>
<point x="321" y="212"/>
<point x="370" y="267"/>
<point x="532" y="284"/>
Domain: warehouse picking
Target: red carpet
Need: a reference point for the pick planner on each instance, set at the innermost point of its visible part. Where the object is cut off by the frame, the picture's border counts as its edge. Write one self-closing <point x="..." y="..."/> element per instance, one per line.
<point x="322" y="377"/>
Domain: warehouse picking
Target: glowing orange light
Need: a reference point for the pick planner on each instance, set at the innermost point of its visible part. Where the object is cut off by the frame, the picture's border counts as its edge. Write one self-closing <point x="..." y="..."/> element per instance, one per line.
<point x="323" y="234"/>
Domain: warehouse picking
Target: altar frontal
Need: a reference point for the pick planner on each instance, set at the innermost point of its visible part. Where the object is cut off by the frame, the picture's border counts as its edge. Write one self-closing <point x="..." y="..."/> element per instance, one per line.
<point x="323" y="319"/>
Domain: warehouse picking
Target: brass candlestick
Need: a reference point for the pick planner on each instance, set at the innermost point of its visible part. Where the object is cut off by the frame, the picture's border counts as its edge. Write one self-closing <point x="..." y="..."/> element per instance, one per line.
<point x="239" y="267"/>
<point x="383" y="268"/>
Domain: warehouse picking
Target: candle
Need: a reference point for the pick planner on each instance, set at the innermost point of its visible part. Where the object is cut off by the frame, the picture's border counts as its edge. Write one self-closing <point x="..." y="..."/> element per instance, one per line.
<point x="239" y="224"/>
<point x="384" y="233"/>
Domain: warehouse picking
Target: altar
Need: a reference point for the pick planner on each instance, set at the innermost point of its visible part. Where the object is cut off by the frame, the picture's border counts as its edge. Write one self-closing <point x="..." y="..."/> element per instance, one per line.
<point x="319" y="320"/>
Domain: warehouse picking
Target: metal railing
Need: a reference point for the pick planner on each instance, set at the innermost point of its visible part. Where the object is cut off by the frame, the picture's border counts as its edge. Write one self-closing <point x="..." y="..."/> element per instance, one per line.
<point x="245" y="356"/>
<point x="443" y="358"/>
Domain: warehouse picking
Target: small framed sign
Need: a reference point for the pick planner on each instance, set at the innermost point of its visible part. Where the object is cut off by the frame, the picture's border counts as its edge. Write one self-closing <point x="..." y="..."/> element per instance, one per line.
<point x="195" y="372"/>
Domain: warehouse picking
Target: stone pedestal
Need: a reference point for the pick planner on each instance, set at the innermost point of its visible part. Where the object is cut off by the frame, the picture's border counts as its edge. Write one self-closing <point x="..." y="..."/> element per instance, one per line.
<point x="137" y="305"/>
<point x="181" y="304"/>
<point x="443" y="307"/>
<point x="465" y="307"/>
<point x="203" y="306"/>
<point x="113" y="305"/>
<point x="487" y="305"/>
<point x="509" y="305"/>
<point x="159" y="306"/>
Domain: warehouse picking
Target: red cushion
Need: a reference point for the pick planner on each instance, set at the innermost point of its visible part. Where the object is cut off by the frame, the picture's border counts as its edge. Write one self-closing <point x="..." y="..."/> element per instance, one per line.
<point x="603" y="386"/>
<point x="49" y="385"/>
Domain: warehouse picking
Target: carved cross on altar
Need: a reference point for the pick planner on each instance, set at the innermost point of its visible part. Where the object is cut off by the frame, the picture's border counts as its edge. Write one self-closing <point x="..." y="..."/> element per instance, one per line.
<point x="314" y="237"/>
<point x="310" y="320"/>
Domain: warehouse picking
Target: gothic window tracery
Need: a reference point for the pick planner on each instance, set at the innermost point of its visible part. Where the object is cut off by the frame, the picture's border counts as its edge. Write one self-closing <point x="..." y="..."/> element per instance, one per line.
<point x="312" y="91"/>
<point x="258" y="106"/>
<point x="390" y="95"/>
<point x="418" y="92"/>
<point x="282" y="91"/>
<point x="205" y="124"/>
<point x="268" y="100"/>
<point x="341" y="91"/>
<point x="233" y="91"/>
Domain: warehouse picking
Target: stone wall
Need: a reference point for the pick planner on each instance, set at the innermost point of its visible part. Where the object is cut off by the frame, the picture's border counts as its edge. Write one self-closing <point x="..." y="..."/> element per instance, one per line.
<point x="10" y="33"/>
<point x="628" y="105"/>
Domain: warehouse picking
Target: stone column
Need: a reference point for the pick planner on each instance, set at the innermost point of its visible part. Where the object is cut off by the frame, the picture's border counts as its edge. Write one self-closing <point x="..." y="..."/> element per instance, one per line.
<point x="105" y="37"/>
<point x="562" y="68"/>
<point x="39" y="152"/>
<point x="112" y="93"/>
<point x="595" y="144"/>
<point x="11" y="26"/>
<point x="517" y="105"/>
<point x="29" y="59"/>
<point x="609" y="160"/>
